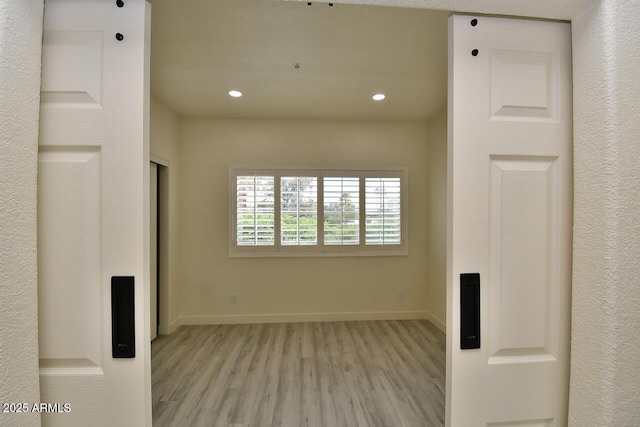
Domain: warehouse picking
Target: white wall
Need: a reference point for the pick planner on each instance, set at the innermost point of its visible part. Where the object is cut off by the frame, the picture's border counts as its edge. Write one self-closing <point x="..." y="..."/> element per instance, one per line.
<point x="20" y="44"/>
<point x="276" y="289"/>
<point x="605" y="350"/>
<point x="165" y="129"/>
<point x="437" y="196"/>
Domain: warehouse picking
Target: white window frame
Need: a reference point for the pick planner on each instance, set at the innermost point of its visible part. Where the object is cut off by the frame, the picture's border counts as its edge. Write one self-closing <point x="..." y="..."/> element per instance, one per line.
<point x="319" y="250"/>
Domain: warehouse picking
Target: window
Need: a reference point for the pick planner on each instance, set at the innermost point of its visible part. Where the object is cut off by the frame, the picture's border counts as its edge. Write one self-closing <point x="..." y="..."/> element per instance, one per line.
<point x="341" y="210"/>
<point x="298" y="210"/>
<point x="256" y="212"/>
<point x="383" y="211"/>
<point x="317" y="212"/>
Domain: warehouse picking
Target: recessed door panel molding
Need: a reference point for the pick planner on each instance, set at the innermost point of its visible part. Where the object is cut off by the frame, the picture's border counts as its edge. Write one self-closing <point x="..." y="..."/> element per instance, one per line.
<point x="71" y="109"/>
<point x="69" y="261"/>
<point x="72" y="67"/>
<point x="524" y="85"/>
<point x="549" y="422"/>
<point x="60" y="381"/>
<point x="71" y="126"/>
<point x="524" y="214"/>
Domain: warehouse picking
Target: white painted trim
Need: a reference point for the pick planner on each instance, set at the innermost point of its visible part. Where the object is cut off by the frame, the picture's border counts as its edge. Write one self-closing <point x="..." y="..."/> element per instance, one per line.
<point x="82" y="371"/>
<point x="320" y="249"/>
<point x="174" y="326"/>
<point x="437" y="322"/>
<point x="304" y="317"/>
<point x="550" y="9"/>
<point x="301" y="317"/>
<point x="159" y="160"/>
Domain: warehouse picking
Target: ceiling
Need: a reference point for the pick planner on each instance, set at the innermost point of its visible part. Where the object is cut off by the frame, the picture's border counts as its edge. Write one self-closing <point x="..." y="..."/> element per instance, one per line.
<point x="203" y="48"/>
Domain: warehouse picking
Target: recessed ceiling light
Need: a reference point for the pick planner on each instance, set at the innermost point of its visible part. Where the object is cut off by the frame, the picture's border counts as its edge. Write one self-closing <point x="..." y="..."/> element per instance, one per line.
<point x="235" y="93"/>
<point x="379" y="96"/>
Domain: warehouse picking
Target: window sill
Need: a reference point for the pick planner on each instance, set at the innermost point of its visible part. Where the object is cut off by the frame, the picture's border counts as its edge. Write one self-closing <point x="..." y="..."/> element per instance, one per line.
<point x="319" y="254"/>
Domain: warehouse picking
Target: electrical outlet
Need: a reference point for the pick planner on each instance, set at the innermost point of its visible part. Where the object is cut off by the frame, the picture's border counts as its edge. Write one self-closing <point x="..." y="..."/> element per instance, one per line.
<point x="401" y="294"/>
<point x="234" y="298"/>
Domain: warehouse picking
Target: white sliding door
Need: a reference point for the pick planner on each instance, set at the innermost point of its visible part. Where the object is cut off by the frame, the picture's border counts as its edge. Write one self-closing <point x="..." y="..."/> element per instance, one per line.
<point x="92" y="213"/>
<point x="510" y="220"/>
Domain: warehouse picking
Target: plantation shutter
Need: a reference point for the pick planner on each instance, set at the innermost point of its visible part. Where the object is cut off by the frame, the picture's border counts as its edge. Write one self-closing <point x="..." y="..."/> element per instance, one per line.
<point x="277" y="211"/>
<point x="255" y="207"/>
<point x="341" y="210"/>
<point x="383" y="211"/>
<point x="298" y="210"/>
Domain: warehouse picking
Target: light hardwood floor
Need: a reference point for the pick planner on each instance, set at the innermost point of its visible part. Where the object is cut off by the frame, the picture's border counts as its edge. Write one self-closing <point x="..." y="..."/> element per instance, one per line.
<point x="351" y="374"/>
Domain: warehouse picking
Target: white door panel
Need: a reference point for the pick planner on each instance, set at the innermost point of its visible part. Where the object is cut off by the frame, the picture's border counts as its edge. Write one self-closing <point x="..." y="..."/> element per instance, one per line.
<point x="92" y="209"/>
<point x="510" y="212"/>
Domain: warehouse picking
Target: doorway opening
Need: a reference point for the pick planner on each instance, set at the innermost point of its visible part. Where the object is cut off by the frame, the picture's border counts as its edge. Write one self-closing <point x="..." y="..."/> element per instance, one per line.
<point x="159" y="246"/>
<point x="153" y="251"/>
<point x="308" y="75"/>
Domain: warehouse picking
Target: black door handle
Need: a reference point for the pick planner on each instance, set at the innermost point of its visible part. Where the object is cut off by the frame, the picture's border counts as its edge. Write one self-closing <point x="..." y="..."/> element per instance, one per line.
<point x="123" y="327"/>
<point x="469" y="311"/>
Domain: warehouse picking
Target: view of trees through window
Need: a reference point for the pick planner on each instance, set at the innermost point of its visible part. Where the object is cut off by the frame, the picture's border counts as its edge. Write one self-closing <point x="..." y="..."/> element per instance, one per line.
<point x="341" y="211"/>
<point x="262" y="199"/>
<point x="299" y="210"/>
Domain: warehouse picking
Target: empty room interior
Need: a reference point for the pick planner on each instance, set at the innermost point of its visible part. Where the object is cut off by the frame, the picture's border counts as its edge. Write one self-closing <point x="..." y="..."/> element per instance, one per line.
<point x="321" y="300"/>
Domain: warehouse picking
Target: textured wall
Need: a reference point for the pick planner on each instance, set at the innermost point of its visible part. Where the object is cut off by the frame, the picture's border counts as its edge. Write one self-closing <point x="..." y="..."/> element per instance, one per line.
<point x="20" y="47"/>
<point x="605" y="367"/>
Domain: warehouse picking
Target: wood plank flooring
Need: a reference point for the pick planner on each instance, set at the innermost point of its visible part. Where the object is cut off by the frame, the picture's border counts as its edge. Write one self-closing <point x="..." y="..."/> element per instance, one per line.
<point x="334" y="374"/>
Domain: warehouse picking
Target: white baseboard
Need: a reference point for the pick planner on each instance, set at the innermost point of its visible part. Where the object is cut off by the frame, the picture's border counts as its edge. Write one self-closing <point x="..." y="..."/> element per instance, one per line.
<point x="306" y="317"/>
<point x="300" y="317"/>
<point x="175" y="325"/>
<point x="437" y="322"/>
